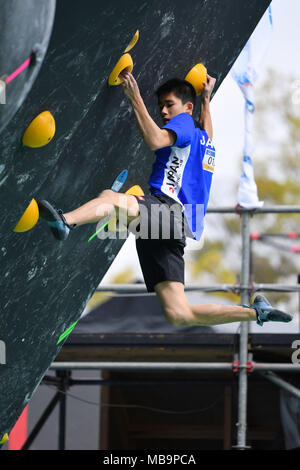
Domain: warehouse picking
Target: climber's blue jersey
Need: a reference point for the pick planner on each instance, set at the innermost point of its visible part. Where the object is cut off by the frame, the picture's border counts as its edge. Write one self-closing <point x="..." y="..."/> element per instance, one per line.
<point x="184" y="171"/>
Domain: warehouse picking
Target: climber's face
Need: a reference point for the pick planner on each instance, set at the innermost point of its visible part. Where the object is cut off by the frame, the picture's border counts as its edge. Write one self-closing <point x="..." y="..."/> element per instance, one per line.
<point x="170" y="106"/>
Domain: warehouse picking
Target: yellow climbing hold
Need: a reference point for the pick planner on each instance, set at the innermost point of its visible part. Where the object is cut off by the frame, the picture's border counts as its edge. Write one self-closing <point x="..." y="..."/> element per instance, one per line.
<point x="133" y="42"/>
<point x="196" y="76"/>
<point x="4" y="439"/>
<point x="40" y="131"/>
<point x="124" y="64"/>
<point x="113" y="223"/>
<point x="29" y="218"/>
<point x="135" y="191"/>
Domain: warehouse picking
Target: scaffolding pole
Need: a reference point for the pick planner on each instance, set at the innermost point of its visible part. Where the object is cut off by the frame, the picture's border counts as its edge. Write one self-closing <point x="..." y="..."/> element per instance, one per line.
<point x="243" y="359"/>
<point x="174" y="366"/>
<point x="261" y="210"/>
<point x="124" y="289"/>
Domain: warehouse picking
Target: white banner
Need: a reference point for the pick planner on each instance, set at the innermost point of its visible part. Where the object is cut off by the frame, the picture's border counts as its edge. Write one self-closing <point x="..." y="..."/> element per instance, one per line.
<point x="245" y="72"/>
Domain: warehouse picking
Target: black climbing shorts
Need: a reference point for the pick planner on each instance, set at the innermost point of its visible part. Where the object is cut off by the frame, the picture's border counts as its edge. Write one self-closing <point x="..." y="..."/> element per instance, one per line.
<point x="160" y="240"/>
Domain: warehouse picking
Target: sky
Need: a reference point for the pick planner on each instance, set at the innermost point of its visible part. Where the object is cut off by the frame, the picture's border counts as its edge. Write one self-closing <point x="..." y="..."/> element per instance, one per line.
<point x="227" y="109"/>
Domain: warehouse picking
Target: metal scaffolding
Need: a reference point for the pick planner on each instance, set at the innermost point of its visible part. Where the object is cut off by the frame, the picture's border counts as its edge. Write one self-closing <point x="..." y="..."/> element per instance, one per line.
<point x="245" y="289"/>
<point x="242" y="366"/>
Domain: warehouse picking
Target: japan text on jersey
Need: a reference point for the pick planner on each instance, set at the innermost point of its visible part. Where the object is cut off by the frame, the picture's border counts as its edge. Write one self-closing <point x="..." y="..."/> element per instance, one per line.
<point x="184" y="171"/>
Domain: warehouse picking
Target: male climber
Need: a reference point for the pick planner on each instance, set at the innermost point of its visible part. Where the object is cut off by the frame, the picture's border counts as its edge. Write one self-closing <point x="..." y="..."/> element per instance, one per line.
<point x="181" y="178"/>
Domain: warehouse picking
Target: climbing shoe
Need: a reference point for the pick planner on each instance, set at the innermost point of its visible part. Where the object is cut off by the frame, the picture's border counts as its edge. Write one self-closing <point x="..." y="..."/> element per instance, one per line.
<point x="265" y="312"/>
<point x="55" y="220"/>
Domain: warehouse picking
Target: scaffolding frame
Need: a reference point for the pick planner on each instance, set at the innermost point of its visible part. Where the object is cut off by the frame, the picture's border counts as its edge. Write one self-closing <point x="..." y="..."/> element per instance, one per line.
<point x="242" y="366"/>
<point x="245" y="289"/>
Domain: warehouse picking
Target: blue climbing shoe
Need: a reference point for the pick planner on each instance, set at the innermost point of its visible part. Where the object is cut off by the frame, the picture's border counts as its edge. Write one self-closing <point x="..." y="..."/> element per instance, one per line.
<point x="265" y="312"/>
<point x="55" y="220"/>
